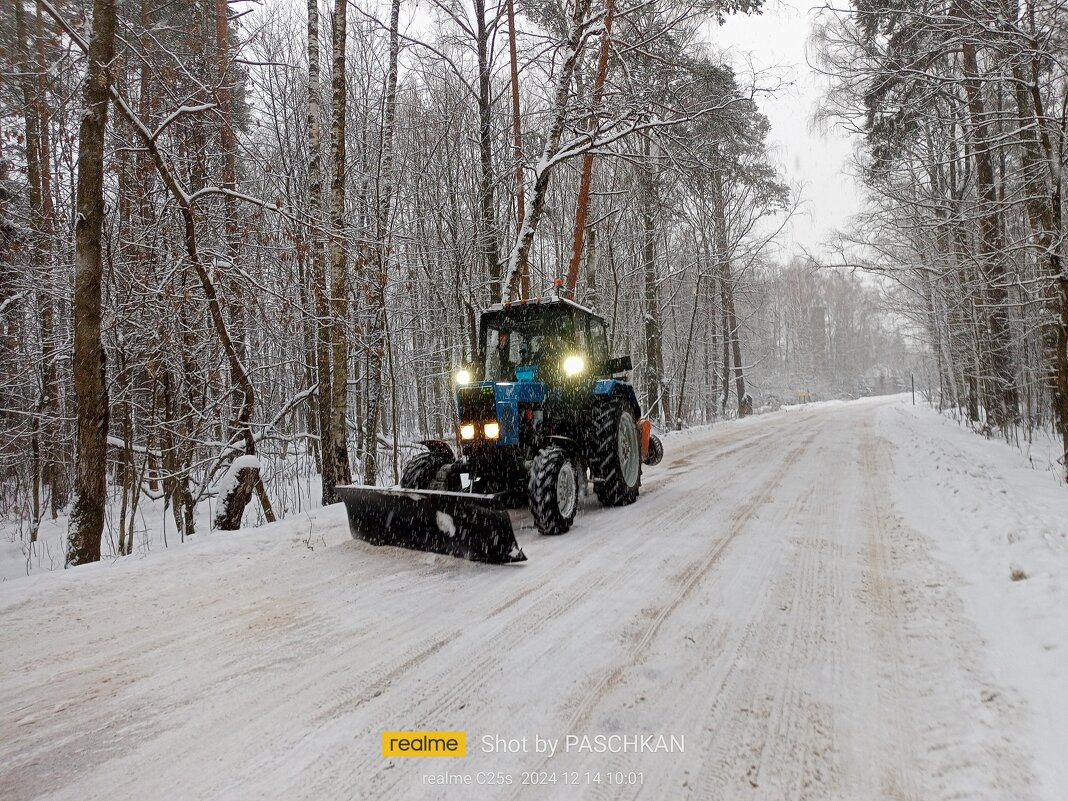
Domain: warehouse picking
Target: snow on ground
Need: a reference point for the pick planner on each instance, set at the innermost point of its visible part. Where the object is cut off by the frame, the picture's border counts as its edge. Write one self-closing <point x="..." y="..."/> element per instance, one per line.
<point x="1002" y="527"/>
<point x="820" y="602"/>
<point x="154" y="525"/>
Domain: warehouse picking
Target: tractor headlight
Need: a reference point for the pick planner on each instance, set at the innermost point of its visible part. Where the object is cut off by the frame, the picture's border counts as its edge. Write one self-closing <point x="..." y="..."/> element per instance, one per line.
<point x="467" y="431"/>
<point x="574" y="365"/>
<point x="463" y="377"/>
<point x="492" y="430"/>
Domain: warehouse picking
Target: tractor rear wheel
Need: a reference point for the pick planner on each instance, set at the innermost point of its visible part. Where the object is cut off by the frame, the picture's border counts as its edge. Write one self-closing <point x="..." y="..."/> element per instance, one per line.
<point x="617" y="458"/>
<point x="421" y="471"/>
<point x="553" y="490"/>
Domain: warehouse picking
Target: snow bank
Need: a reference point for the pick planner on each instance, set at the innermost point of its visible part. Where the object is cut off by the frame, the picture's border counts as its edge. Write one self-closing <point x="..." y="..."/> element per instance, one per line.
<point x="1003" y="526"/>
<point x="154" y="526"/>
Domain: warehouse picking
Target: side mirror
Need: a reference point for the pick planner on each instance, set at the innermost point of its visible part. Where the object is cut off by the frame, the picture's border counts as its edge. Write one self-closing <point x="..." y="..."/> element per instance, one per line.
<point x="620" y="364"/>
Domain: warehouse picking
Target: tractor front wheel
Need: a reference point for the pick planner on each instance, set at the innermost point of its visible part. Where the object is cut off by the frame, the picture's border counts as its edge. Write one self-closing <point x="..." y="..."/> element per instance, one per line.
<point x="553" y="490"/>
<point x="421" y="471"/>
<point x="617" y="455"/>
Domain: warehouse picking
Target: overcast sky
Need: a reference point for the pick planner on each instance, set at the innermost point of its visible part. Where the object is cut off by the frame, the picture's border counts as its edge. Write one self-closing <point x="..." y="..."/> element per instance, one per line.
<point x="775" y="42"/>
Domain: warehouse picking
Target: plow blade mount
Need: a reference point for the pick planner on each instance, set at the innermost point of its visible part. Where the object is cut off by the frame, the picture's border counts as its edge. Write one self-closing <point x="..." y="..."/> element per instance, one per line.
<point x="453" y="523"/>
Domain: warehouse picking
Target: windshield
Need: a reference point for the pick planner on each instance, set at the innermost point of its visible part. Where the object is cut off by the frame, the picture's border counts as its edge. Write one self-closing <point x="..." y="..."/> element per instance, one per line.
<point x="541" y="338"/>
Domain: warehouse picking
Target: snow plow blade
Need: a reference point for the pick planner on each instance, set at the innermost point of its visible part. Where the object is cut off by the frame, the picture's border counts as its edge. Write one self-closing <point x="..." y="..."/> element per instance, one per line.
<point x="457" y="524"/>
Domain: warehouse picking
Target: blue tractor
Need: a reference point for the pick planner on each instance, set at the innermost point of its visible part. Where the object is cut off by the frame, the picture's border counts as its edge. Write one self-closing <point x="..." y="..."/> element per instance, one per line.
<point x="542" y="411"/>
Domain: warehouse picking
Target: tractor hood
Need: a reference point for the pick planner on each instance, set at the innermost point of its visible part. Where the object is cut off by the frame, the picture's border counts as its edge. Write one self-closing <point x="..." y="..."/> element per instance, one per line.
<point x="488" y="401"/>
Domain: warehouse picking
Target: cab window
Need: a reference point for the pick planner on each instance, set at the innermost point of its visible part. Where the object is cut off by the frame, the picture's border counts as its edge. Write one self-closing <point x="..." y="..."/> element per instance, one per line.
<point x="598" y="342"/>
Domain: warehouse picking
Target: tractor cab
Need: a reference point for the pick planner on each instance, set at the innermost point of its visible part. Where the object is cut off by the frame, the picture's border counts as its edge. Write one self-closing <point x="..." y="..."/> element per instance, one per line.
<point x="542" y="365"/>
<point x="549" y="340"/>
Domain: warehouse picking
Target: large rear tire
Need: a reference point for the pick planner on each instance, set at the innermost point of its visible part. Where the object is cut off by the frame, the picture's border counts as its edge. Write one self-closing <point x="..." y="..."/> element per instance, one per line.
<point x="421" y="471"/>
<point x="617" y="455"/>
<point x="553" y="491"/>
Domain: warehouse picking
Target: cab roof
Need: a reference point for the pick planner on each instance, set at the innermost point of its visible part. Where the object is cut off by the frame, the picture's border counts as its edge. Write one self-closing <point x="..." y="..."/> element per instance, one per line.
<point x="548" y="301"/>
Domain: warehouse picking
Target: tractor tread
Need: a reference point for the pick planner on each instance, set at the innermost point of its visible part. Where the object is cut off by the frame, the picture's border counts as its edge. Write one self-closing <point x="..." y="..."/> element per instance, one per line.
<point x="541" y="492"/>
<point x="611" y="487"/>
<point x="421" y="471"/>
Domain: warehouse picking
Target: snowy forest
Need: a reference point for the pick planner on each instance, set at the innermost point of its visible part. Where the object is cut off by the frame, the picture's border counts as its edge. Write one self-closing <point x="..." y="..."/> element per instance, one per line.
<point x="960" y="109"/>
<point x="529" y="383"/>
<point x="244" y="246"/>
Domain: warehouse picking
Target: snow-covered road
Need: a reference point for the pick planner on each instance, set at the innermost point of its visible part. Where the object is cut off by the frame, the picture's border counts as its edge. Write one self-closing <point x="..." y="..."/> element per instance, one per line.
<point x="781" y="597"/>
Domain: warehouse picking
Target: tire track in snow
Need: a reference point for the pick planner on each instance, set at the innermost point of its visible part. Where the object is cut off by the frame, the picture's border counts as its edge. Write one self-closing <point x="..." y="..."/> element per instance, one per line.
<point x="687" y="580"/>
<point x="732" y="638"/>
<point x="951" y="719"/>
<point x="782" y="737"/>
<point x="733" y="748"/>
<point x="765" y="731"/>
<point x="463" y="675"/>
<point x="761" y="716"/>
<point x="690" y="578"/>
<point x="896" y="779"/>
<point x="536" y="616"/>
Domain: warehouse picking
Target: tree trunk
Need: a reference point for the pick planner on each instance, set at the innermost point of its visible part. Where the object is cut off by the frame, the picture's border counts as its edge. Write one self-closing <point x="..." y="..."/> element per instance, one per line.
<point x="87" y="514"/>
<point x="586" y="179"/>
<point x="730" y="317"/>
<point x="745" y="403"/>
<point x="42" y="248"/>
<point x="487" y="218"/>
<point x="1004" y="410"/>
<point x="655" y="399"/>
<point x="317" y="260"/>
<point x="517" y="260"/>
<point x="339" y="284"/>
<point x="686" y="353"/>
<point x="1042" y="187"/>
<point x="725" y="371"/>
<point x="55" y="450"/>
<point x="376" y="333"/>
<point x="228" y="146"/>
<point x="34" y="256"/>
<point x="239" y="485"/>
<point x="517" y="140"/>
<point x="227" y="141"/>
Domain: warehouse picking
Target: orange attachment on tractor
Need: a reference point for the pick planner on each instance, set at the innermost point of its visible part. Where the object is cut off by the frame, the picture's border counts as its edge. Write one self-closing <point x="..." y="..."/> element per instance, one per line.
<point x="645" y="430"/>
<point x="652" y="447"/>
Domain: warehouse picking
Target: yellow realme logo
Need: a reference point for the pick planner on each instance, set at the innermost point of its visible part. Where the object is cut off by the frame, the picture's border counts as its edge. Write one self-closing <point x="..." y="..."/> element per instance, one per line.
<point x="424" y="743"/>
